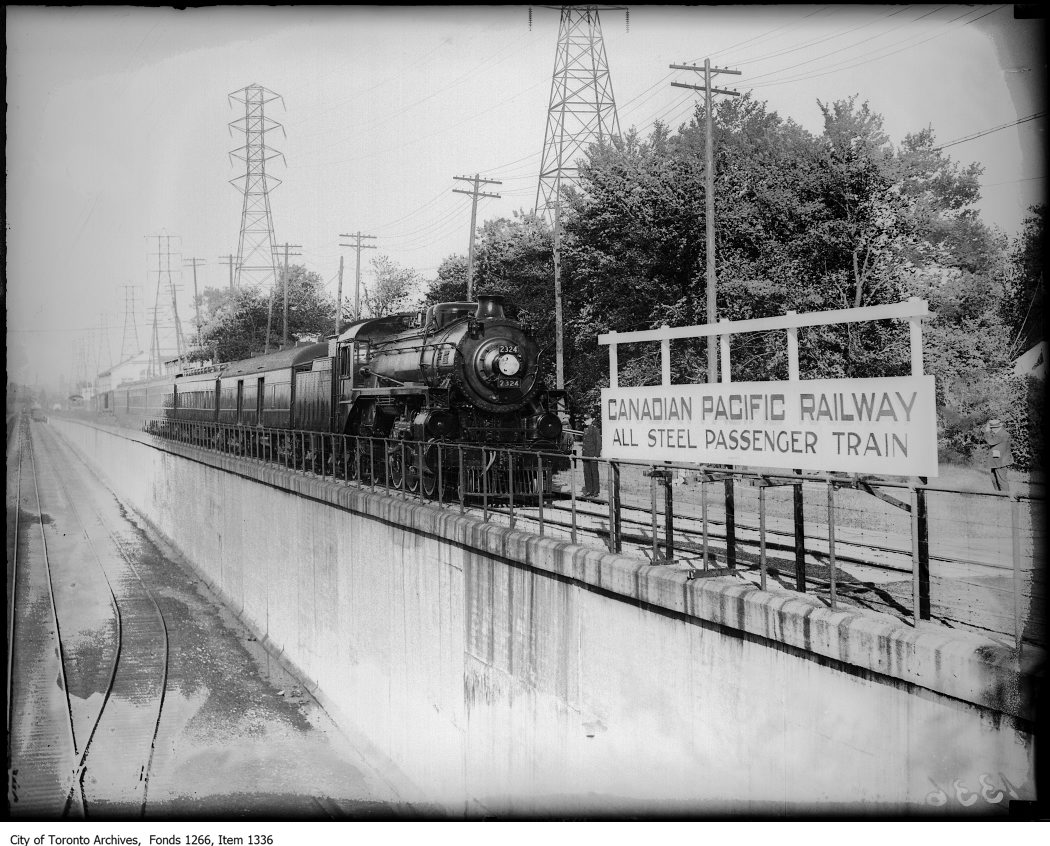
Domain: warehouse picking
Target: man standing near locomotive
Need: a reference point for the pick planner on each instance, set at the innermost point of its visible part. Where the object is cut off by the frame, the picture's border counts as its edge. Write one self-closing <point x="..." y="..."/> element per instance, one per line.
<point x="998" y="440"/>
<point x="592" y="448"/>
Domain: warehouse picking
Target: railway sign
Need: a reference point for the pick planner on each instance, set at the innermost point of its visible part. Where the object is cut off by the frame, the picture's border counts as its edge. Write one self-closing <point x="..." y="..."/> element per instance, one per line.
<point x="881" y="426"/>
<point x="878" y="426"/>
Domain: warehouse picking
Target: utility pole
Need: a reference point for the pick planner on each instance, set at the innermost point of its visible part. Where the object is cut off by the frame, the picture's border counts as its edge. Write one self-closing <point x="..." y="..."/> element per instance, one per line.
<point x="339" y="300"/>
<point x="357" y="279"/>
<point x="195" y="262"/>
<point x="475" y="194"/>
<point x="709" y="172"/>
<point x="284" y="277"/>
<point x="231" y="262"/>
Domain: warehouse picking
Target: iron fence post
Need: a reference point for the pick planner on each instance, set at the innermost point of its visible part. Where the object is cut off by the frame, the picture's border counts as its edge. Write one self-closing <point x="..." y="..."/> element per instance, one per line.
<point x="1015" y="544"/>
<point x="404" y="469"/>
<point x="510" y="484"/>
<point x="762" y="535"/>
<point x="539" y="487"/>
<point x="800" y="536"/>
<point x="484" y="487"/>
<point x="923" y="526"/>
<point x="668" y="519"/>
<point x="730" y="523"/>
<point x="652" y="498"/>
<point x="614" y="508"/>
<point x="440" y="479"/>
<point x="703" y="514"/>
<point x="462" y="482"/>
<point x="831" y="540"/>
<point x="572" y="495"/>
<point x="419" y="448"/>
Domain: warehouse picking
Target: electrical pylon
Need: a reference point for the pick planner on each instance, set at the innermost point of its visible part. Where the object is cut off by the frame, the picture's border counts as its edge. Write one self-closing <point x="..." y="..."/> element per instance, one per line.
<point x="156" y="362"/>
<point x="582" y="109"/>
<point x="256" y="246"/>
<point x="130" y="322"/>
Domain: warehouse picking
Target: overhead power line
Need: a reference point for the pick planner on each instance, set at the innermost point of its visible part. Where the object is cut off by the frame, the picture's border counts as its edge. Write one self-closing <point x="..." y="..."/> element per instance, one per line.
<point x="990" y="131"/>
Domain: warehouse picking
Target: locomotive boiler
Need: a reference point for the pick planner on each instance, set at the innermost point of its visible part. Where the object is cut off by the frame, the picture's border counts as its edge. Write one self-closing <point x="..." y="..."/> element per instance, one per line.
<point x="455" y="373"/>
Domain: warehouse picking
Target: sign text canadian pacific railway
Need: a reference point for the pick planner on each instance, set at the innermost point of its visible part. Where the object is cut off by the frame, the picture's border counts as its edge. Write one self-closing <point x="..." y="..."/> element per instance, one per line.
<point x="879" y="426"/>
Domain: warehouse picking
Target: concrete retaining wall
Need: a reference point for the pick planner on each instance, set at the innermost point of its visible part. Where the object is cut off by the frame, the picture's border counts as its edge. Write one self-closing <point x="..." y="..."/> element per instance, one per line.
<point x="510" y="674"/>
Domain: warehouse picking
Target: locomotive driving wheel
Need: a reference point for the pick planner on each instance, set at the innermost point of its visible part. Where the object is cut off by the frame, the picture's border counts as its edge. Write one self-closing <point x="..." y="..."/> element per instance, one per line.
<point x="401" y="462"/>
<point x="434" y="478"/>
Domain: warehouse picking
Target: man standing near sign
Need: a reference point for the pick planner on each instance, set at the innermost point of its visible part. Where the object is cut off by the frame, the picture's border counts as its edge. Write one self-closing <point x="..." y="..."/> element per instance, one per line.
<point x="998" y="440"/>
<point x="592" y="448"/>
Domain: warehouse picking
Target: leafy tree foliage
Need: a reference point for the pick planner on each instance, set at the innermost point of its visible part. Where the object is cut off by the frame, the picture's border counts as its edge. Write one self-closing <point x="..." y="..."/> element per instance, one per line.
<point x="1024" y="305"/>
<point x="450" y="284"/>
<point x="393" y="287"/>
<point x="234" y="322"/>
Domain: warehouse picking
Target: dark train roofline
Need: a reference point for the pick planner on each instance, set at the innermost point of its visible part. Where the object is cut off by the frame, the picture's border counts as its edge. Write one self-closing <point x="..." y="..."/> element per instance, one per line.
<point x="274" y="361"/>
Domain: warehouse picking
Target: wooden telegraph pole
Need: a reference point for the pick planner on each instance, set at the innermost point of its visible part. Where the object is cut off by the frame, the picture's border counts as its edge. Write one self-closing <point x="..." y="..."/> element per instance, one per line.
<point x="357" y="278"/>
<point x="709" y="169"/>
<point x="339" y="300"/>
<point x="474" y="194"/>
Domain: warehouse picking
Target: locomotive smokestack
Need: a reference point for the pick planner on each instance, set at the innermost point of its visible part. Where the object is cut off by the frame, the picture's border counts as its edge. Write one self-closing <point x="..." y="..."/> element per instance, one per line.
<point x="490" y="306"/>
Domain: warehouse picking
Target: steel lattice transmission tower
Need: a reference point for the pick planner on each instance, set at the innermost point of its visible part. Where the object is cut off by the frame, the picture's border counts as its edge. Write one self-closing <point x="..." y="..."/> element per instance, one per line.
<point x="582" y="109"/>
<point x="256" y="246"/>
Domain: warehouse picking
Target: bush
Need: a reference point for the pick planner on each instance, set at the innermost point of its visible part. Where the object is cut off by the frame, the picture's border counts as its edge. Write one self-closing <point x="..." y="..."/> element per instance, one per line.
<point x="966" y="405"/>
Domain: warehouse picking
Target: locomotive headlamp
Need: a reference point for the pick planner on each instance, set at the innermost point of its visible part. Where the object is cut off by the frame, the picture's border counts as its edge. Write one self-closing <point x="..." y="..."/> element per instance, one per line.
<point x="508" y="364"/>
<point x="499" y="362"/>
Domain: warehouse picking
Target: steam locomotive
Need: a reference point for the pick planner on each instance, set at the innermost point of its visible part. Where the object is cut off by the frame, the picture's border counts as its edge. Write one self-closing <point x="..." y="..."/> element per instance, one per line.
<point x="410" y="387"/>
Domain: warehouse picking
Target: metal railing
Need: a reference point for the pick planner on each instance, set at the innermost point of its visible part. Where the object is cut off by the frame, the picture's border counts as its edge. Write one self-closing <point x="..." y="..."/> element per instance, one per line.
<point x="916" y="551"/>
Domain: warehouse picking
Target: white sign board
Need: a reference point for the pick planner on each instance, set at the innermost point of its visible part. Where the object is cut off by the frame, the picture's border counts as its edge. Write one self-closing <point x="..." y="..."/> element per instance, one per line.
<point x="873" y="426"/>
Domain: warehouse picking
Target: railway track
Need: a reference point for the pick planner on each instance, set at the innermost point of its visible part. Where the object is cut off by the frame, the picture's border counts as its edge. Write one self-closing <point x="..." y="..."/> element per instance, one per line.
<point x="109" y="636"/>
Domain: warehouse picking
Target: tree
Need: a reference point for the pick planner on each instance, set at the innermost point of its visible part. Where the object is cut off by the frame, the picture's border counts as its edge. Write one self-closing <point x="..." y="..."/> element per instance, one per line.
<point x="234" y="322"/>
<point x="450" y="284"/>
<point x="1024" y="305"/>
<point x="804" y="222"/>
<point x="392" y="288"/>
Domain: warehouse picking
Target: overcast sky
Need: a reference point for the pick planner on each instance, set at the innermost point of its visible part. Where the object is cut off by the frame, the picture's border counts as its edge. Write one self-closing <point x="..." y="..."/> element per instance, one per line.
<point x="117" y="127"/>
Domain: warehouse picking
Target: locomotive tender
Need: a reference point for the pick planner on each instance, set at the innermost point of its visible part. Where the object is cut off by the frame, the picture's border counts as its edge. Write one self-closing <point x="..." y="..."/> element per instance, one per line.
<point x="454" y="374"/>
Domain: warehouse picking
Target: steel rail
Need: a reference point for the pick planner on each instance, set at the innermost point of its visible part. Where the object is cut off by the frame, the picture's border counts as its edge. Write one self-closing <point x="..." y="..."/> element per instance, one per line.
<point x="54" y="605"/>
<point x="120" y="632"/>
<point x="22" y="424"/>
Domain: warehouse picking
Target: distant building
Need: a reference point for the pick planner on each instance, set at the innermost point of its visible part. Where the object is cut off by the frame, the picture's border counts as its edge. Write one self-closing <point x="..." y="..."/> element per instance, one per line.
<point x="130" y="370"/>
<point x="1032" y="363"/>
